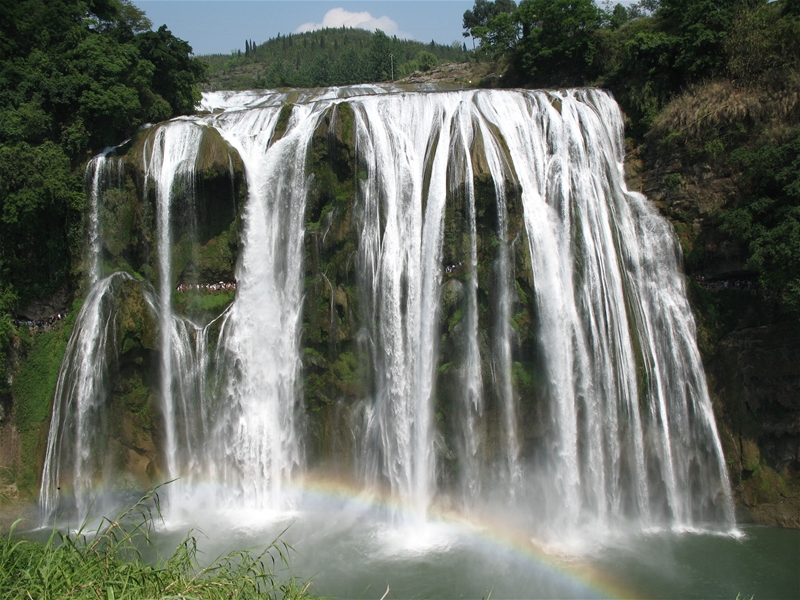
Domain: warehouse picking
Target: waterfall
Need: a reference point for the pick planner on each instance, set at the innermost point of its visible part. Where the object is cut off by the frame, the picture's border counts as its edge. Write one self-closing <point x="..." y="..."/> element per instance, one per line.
<point x="100" y="174"/>
<point x="170" y="166"/>
<point x="74" y="455"/>
<point x="255" y="444"/>
<point x="571" y="390"/>
<point x="405" y="142"/>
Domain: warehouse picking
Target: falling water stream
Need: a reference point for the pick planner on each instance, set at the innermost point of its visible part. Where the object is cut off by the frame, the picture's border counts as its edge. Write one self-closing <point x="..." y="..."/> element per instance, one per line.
<point x="629" y="443"/>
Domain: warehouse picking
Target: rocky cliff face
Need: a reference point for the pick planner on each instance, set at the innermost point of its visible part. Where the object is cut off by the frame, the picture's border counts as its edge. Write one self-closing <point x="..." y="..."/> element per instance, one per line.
<point x="750" y="348"/>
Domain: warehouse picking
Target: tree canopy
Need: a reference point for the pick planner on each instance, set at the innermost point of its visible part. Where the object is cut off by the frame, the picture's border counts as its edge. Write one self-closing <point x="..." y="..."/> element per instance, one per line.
<point x="75" y="76"/>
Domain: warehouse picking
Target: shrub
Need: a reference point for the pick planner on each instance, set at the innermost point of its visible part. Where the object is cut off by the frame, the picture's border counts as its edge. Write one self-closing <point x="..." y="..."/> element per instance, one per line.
<point x="108" y="563"/>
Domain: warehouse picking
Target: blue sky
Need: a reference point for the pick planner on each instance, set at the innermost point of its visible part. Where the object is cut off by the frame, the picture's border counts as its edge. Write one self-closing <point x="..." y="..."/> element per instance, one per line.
<point x="220" y="26"/>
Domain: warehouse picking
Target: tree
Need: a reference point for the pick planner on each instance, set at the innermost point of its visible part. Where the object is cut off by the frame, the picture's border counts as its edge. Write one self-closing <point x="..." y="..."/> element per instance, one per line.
<point x="768" y="219"/>
<point x="697" y="29"/>
<point x="483" y="11"/>
<point x="558" y="39"/>
<point x="177" y="74"/>
<point x="380" y="48"/>
<point x="75" y="76"/>
<point x="321" y="70"/>
<point x="426" y="61"/>
<point x="482" y="23"/>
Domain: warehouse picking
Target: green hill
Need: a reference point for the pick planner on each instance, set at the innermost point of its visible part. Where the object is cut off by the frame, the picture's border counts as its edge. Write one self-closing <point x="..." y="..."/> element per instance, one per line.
<point x="325" y="57"/>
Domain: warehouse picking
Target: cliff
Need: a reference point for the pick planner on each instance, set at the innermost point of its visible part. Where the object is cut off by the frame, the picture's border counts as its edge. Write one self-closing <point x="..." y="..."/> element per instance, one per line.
<point x="750" y="342"/>
<point x="749" y="346"/>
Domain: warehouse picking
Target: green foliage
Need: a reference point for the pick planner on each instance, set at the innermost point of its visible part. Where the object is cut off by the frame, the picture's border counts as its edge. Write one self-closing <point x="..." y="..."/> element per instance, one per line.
<point x="75" y="76"/>
<point x="109" y="563"/>
<point x="425" y="60"/>
<point x="203" y="304"/>
<point x="41" y="201"/>
<point x="492" y="23"/>
<point x="176" y="75"/>
<point x="645" y="53"/>
<point x="558" y="38"/>
<point x="499" y="35"/>
<point x="88" y="74"/>
<point x="762" y="43"/>
<point x="673" y="181"/>
<point x="35" y="383"/>
<point x="327" y="381"/>
<point x="523" y="379"/>
<point x="326" y="57"/>
<point x="7" y="300"/>
<point x="768" y="220"/>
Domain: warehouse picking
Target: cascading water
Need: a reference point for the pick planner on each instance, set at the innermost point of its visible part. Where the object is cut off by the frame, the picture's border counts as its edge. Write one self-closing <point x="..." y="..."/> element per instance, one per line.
<point x="612" y="308"/>
<point x="170" y="165"/>
<point x="101" y="174"/>
<point x="254" y="445"/>
<point x="74" y="455"/>
<point x="624" y="432"/>
<point x="402" y="273"/>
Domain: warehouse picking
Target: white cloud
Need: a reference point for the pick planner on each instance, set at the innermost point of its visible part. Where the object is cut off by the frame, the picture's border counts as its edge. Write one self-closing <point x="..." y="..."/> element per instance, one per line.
<point x="339" y="17"/>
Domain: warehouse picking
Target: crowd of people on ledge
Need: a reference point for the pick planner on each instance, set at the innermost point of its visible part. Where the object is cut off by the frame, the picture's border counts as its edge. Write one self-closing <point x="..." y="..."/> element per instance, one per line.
<point x="40" y="324"/>
<point x="220" y="286"/>
<point x="730" y="284"/>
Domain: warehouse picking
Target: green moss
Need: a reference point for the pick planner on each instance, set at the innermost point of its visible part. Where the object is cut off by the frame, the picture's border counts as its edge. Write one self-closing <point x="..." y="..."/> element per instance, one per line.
<point x="523" y="379"/>
<point x="203" y="305"/>
<point x="346" y="122"/>
<point x="213" y="155"/>
<point x="765" y="485"/>
<point x="117" y="215"/>
<point x="283" y="121"/>
<point x="455" y="319"/>
<point x="35" y="382"/>
<point x="32" y="390"/>
<point x="26" y="478"/>
<point x="135" y="395"/>
<point x="136" y="326"/>
<point x="673" y="181"/>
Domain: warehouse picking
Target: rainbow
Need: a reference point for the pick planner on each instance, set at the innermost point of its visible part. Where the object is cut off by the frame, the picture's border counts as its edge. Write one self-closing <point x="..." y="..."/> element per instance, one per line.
<point x="498" y="536"/>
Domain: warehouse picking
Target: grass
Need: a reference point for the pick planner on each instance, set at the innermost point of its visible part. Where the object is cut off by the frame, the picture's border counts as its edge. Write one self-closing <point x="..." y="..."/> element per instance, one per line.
<point x="108" y="564"/>
<point x="33" y="387"/>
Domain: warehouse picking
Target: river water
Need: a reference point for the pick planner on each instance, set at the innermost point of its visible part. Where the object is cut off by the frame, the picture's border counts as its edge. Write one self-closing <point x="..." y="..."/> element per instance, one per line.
<point x="353" y="546"/>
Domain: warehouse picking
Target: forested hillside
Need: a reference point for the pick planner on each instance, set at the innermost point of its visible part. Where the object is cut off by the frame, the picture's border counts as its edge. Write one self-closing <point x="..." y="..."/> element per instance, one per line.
<point x="326" y="57"/>
<point x="75" y="76"/>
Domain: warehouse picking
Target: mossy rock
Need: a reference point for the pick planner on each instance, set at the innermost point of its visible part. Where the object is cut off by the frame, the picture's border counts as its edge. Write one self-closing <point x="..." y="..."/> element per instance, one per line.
<point x="137" y="325"/>
<point x="205" y="214"/>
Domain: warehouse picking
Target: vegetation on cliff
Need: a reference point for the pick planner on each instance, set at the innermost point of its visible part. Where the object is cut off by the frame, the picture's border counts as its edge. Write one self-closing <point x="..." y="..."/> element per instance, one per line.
<point x="74" y="77"/>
